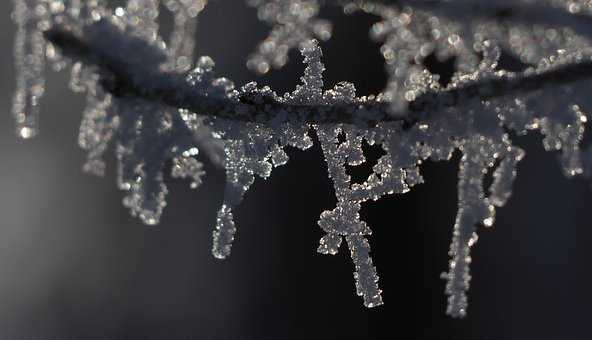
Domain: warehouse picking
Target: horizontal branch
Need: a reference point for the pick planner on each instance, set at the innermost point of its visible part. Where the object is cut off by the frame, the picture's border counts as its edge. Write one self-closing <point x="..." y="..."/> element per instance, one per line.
<point x="130" y="67"/>
<point x="135" y="71"/>
<point x="533" y="13"/>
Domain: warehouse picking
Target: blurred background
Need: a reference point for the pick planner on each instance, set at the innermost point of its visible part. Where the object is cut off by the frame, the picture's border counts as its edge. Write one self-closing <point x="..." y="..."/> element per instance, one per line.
<point x="75" y="265"/>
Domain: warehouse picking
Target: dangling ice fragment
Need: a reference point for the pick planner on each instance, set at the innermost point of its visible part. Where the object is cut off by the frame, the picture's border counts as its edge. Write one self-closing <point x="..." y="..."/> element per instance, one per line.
<point x="32" y="18"/>
<point x="251" y="149"/>
<point x="224" y="233"/>
<point x="96" y="129"/>
<point x="365" y="274"/>
<point x="145" y="142"/>
<point x="475" y="208"/>
<point x="243" y="159"/>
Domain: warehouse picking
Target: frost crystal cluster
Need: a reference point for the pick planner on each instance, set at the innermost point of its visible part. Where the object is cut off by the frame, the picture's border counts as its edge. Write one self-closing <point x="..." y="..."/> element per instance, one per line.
<point x="158" y="105"/>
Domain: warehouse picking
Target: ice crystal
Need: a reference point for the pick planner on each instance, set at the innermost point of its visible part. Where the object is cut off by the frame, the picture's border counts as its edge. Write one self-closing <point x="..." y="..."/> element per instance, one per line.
<point x="249" y="150"/>
<point x="188" y="167"/>
<point x="294" y="23"/>
<point x="344" y="220"/>
<point x="148" y="97"/>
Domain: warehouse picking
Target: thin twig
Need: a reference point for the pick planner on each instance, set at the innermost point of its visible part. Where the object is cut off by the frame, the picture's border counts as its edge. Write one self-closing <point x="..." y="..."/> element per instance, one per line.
<point x="122" y="79"/>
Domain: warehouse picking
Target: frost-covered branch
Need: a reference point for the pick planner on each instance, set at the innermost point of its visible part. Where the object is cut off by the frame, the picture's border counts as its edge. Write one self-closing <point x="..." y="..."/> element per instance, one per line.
<point x="108" y="48"/>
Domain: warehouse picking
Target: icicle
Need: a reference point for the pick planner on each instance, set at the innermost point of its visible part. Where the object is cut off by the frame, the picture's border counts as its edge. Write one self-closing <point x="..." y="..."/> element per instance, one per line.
<point x="504" y="175"/>
<point x="241" y="165"/>
<point x="344" y="220"/>
<point x="365" y="274"/>
<point x="96" y="130"/>
<point x="224" y="233"/>
<point x="249" y="150"/>
<point x="473" y="209"/>
<point x="145" y="141"/>
<point x="146" y="196"/>
<point x="571" y="136"/>
<point x="31" y="17"/>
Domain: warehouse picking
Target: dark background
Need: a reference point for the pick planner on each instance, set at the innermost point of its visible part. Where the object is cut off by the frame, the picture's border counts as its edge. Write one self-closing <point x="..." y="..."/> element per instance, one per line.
<point x="75" y="265"/>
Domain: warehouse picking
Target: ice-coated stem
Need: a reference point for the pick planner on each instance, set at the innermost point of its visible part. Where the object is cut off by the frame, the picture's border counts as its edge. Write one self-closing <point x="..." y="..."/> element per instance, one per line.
<point x="149" y="82"/>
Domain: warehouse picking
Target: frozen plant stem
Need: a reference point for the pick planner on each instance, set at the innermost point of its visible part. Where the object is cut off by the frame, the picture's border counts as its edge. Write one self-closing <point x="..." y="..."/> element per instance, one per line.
<point x="172" y="89"/>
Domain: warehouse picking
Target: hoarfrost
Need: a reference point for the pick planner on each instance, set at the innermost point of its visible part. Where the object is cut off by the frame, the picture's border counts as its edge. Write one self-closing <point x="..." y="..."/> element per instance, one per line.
<point x="148" y="98"/>
<point x="294" y="23"/>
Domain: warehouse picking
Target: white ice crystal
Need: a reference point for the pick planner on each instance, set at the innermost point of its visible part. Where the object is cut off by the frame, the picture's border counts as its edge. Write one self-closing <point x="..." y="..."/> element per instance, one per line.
<point x="148" y="97"/>
<point x="294" y="23"/>
<point x="344" y="220"/>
